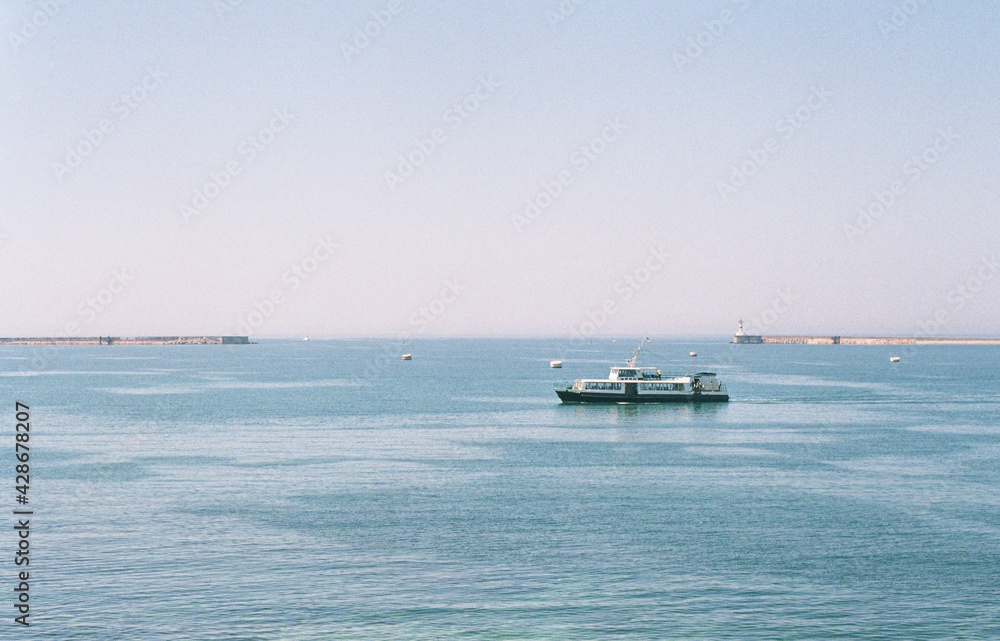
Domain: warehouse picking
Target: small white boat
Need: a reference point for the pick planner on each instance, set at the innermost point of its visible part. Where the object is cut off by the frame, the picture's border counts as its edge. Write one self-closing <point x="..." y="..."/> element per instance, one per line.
<point x="555" y="364"/>
<point x="894" y="359"/>
<point x="407" y="357"/>
<point x="693" y="354"/>
<point x="306" y="338"/>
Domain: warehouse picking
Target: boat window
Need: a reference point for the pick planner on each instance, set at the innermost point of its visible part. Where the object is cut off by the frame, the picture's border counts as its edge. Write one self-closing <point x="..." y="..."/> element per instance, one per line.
<point x="663" y="387"/>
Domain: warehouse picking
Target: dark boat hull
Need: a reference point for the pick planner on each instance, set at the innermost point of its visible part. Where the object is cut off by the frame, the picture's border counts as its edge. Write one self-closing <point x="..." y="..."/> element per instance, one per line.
<point x="577" y="396"/>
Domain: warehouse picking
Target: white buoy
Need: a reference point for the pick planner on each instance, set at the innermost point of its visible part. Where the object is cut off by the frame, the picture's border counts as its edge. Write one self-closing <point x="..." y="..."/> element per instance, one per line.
<point x="407" y="357"/>
<point x="894" y="359"/>
<point x="555" y="364"/>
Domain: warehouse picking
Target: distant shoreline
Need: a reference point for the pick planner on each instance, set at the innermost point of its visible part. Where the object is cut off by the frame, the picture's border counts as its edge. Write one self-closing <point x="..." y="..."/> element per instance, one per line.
<point x="747" y="339"/>
<point x="128" y="340"/>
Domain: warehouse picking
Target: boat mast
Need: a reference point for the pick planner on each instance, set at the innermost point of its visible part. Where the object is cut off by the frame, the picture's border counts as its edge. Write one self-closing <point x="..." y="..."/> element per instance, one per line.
<point x="635" y="357"/>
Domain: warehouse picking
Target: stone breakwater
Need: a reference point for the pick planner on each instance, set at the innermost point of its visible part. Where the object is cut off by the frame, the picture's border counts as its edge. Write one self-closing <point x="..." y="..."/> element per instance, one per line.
<point x="874" y="340"/>
<point x="129" y="340"/>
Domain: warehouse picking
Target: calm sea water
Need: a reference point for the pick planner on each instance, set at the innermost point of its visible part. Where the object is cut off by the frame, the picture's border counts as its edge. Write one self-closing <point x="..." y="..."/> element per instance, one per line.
<point x="278" y="491"/>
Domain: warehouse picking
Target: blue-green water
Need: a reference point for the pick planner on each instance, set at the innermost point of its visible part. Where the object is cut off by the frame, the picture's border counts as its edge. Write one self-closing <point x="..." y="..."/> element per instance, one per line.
<point x="280" y="491"/>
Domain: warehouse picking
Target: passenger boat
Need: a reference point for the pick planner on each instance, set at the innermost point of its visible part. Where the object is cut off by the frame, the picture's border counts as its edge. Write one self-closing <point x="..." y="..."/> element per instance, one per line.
<point x="633" y="384"/>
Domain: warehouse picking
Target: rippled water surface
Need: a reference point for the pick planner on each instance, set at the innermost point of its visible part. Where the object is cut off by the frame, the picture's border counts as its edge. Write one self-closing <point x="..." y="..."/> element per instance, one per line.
<point x="286" y="490"/>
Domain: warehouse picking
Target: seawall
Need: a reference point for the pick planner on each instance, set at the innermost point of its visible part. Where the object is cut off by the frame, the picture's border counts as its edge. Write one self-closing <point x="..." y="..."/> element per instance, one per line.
<point x="862" y="340"/>
<point x="128" y="340"/>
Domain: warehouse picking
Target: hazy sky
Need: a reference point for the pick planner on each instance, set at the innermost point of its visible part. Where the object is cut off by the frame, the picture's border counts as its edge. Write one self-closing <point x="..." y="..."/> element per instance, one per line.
<point x="499" y="168"/>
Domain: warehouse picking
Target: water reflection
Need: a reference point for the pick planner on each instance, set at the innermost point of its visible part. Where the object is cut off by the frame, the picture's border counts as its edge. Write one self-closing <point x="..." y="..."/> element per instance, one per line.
<point x="646" y="414"/>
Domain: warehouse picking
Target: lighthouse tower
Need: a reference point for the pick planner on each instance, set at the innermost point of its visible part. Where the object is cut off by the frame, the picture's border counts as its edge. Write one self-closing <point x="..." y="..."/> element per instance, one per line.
<point x="744" y="338"/>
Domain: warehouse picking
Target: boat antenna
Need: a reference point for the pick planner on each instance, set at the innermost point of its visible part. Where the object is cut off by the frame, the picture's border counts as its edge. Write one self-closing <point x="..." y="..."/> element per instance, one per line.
<point x="635" y="357"/>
